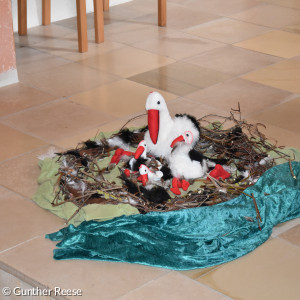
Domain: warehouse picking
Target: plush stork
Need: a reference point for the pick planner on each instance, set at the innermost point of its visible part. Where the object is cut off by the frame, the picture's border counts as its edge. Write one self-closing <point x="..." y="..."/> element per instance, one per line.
<point x="187" y="163"/>
<point x="150" y="176"/>
<point x="162" y="129"/>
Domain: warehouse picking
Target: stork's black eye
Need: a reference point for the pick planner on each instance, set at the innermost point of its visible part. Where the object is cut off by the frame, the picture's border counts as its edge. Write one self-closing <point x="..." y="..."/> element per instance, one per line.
<point x="187" y="134"/>
<point x="158" y="102"/>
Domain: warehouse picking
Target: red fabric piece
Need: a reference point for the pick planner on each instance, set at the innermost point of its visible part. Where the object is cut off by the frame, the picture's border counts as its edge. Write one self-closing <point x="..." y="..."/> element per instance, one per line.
<point x="219" y="172"/>
<point x="127" y="172"/>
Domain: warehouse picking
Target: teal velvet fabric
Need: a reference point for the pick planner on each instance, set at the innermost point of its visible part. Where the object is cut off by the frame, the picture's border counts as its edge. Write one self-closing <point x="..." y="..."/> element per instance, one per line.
<point x="189" y="238"/>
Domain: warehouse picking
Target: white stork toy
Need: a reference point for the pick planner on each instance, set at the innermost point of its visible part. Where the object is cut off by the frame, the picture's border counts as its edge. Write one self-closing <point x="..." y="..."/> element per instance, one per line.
<point x="162" y="129"/>
<point x="149" y="176"/>
<point x="187" y="163"/>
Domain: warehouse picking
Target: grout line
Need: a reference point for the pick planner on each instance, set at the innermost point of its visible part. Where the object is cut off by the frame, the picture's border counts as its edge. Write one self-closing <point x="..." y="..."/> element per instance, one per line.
<point x="167" y="271"/>
<point x="287" y="241"/>
<point x="17" y="245"/>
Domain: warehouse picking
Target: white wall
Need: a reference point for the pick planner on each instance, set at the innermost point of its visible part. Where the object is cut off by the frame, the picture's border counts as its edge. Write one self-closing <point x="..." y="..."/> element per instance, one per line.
<point x="60" y="9"/>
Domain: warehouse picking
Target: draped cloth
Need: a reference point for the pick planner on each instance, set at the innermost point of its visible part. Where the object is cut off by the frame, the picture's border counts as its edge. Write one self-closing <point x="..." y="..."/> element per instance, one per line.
<point x="189" y="238"/>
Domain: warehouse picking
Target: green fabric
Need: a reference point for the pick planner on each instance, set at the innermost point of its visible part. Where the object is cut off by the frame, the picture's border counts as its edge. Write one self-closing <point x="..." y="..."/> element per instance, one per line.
<point x="45" y="195"/>
<point x="189" y="238"/>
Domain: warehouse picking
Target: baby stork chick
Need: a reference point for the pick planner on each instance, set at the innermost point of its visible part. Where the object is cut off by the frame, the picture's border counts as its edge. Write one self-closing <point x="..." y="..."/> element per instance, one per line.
<point x="185" y="162"/>
<point x="149" y="176"/>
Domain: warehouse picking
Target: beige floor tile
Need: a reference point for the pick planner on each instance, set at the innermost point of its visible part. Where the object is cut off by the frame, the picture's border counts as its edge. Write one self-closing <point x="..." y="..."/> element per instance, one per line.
<point x="118" y="99"/>
<point x="196" y="109"/>
<point x="127" y="61"/>
<point x="286" y="3"/>
<point x="133" y="32"/>
<point x="227" y="30"/>
<point x="196" y="273"/>
<point x="178" y="45"/>
<point x="95" y="279"/>
<point x="21" y="220"/>
<point x="173" y="286"/>
<point x="269" y="272"/>
<point x="278" y="136"/>
<point x="67" y="47"/>
<point x="284" y="115"/>
<point x="252" y="97"/>
<point x="233" y="60"/>
<point x="68" y="79"/>
<point x="178" y="17"/>
<point x="278" y="43"/>
<point x="283" y="75"/>
<point x="295" y="28"/>
<point x="20" y="174"/>
<point x="283" y="227"/>
<point x="269" y="15"/>
<point x="180" y="78"/>
<point x="14" y="142"/>
<point x="292" y="235"/>
<point x="57" y="120"/>
<point x="221" y="7"/>
<point x="41" y="33"/>
<point x="17" y="97"/>
<point x="115" y="125"/>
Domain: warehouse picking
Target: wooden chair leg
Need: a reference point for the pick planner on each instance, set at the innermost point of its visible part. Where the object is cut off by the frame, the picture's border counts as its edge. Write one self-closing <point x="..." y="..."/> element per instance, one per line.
<point x="46" y="12"/>
<point x="82" y="26"/>
<point x="22" y="17"/>
<point x="99" y="21"/>
<point x="162" y="12"/>
<point x="105" y="5"/>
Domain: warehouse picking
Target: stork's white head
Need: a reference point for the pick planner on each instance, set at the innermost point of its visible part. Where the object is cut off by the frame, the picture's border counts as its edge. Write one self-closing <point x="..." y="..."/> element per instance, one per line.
<point x="144" y="171"/>
<point x="155" y="105"/>
<point x="186" y="137"/>
<point x="141" y="150"/>
<point x="156" y="101"/>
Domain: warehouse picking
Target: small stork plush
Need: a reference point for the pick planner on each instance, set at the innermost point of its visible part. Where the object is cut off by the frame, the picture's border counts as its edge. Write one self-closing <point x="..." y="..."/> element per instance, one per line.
<point x="150" y="176"/>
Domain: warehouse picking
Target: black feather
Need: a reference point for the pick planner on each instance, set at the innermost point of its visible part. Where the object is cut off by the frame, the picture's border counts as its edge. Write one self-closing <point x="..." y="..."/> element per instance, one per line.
<point x="156" y="195"/>
<point x="195" y="155"/>
<point x="91" y="144"/>
<point x="198" y="156"/>
<point x="167" y="173"/>
<point x="126" y="136"/>
<point x="193" y="120"/>
<point x="73" y="152"/>
<point x="137" y="163"/>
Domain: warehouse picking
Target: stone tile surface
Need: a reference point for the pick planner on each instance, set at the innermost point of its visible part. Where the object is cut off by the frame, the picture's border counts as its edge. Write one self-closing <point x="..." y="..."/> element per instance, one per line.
<point x="278" y="43"/>
<point x="14" y="142"/>
<point x="57" y="120"/>
<point x="270" y="272"/>
<point x="227" y="31"/>
<point x="252" y="97"/>
<point x="178" y="45"/>
<point x="17" y="97"/>
<point x="269" y="15"/>
<point x="180" y="78"/>
<point x="233" y="60"/>
<point x="284" y="75"/>
<point x="126" y="61"/>
<point x="285" y="115"/>
<point x="118" y="99"/>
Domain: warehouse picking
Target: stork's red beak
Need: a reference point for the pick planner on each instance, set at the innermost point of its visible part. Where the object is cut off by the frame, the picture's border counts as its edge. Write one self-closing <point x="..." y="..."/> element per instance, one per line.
<point x="177" y="140"/>
<point x="153" y="124"/>
<point x="144" y="179"/>
<point x="139" y="151"/>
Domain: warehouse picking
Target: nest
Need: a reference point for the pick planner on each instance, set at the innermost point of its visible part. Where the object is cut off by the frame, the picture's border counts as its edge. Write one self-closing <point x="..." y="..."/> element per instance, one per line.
<point x="82" y="177"/>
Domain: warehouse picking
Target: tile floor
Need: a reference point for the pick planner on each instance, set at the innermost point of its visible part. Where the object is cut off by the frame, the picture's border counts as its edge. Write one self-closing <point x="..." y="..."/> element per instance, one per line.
<point x="212" y="54"/>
